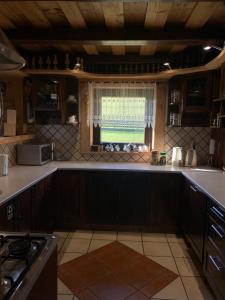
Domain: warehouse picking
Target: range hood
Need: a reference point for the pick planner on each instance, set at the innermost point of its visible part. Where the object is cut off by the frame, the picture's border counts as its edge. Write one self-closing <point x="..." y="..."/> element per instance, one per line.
<point x="9" y="58"/>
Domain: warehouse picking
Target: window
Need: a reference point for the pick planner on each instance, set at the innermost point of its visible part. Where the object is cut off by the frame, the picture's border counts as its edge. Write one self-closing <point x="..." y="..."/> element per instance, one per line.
<point x="121" y="112"/>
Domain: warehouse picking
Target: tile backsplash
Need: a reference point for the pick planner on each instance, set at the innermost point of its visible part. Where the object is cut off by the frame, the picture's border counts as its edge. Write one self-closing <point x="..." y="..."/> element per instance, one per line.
<point x="9" y="149"/>
<point x="184" y="136"/>
<point x="67" y="144"/>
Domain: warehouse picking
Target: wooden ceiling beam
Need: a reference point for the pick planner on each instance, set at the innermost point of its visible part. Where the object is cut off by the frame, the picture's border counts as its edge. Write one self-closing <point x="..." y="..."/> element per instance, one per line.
<point x="116" y="37"/>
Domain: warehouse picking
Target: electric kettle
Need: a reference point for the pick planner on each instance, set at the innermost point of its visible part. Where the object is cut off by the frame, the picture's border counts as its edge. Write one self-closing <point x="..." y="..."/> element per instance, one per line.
<point x="177" y="157"/>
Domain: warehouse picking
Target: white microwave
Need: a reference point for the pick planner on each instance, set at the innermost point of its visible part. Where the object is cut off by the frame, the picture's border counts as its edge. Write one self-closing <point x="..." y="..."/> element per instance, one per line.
<point x="34" y="154"/>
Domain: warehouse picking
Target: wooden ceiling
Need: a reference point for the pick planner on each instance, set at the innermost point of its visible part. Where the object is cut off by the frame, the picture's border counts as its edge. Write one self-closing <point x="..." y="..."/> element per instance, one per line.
<point x="113" y="27"/>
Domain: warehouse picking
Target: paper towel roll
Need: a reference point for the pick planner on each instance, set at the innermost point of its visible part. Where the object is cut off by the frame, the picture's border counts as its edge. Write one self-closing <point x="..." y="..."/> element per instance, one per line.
<point x="3" y="164"/>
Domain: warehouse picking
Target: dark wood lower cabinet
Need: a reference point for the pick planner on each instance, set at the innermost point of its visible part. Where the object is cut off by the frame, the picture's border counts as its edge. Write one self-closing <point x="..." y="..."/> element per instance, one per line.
<point x="43" y="205"/>
<point x="98" y="198"/>
<point x="194" y="218"/>
<point x="133" y="201"/>
<point x="67" y="200"/>
<point x="7" y="216"/>
<point x="23" y="212"/>
<point x="165" y="202"/>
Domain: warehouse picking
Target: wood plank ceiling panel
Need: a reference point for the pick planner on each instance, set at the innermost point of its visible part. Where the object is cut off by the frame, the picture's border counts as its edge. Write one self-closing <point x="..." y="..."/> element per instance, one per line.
<point x="6" y="23"/>
<point x="33" y="13"/>
<point x="118" y="50"/>
<point x="76" y="20"/>
<point x="53" y="12"/>
<point x="90" y="49"/>
<point x="200" y="15"/>
<point x="73" y="14"/>
<point x="179" y="13"/>
<point x="92" y="13"/>
<point x="156" y="16"/>
<point x="114" y="18"/>
<point x="134" y="13"/>
<point x="9" y="9"/>
<point x="148" y="50"/>
<point x="218" y="16"/>
<point x="177" y="48"/>
<point x="113" y="14"/>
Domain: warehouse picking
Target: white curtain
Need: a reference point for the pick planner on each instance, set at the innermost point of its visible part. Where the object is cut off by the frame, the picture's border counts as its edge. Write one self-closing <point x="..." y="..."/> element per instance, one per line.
<point x="123" y="104"/>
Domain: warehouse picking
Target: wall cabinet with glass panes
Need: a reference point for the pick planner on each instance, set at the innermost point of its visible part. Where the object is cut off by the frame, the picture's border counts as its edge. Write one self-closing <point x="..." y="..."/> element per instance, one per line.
<point x="52" y="100"/>
<point x="189" y="100"/>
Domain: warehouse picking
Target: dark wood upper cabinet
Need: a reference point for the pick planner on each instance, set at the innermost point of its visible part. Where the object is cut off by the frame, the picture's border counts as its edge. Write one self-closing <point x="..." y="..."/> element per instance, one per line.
<point x="196" y="93"/>
<point x="189" y="100"/>
<point x="47" y="101"/>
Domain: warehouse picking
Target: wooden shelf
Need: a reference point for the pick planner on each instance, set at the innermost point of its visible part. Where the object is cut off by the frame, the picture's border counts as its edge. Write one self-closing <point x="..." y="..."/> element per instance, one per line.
<point x="16" y="139"/>
<point x="218" y="100"/>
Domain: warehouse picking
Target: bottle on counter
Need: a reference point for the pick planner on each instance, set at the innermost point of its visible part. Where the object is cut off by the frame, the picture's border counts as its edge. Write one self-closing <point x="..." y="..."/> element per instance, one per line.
<point x="155" y="158"/>
<point x="162" y="158"/>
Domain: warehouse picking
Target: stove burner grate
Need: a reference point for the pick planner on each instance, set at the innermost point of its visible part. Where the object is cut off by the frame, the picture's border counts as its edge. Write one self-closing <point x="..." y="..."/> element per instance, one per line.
<point x="19" y="248"/>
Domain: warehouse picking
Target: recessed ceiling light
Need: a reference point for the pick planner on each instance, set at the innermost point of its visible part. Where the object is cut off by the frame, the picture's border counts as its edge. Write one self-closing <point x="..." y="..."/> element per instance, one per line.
<point x="207" y="47"/>
<point x="212" y="46"/>
<point x="167" y="64"/>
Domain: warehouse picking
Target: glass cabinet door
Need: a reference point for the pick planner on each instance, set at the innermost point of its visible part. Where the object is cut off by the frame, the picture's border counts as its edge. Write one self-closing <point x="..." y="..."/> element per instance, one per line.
<point x="196" y="93"/>
<point x="47" y="94"/>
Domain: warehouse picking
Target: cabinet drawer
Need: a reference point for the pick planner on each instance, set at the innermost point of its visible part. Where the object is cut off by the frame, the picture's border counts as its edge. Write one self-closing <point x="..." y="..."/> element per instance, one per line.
<point x="215" y="271"/>
<point x="216" y="233"/>
<point x="217" y="212"/>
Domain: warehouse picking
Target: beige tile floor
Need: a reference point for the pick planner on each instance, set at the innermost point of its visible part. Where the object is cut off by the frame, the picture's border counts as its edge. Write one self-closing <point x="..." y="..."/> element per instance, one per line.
<point x="168" y="250"/>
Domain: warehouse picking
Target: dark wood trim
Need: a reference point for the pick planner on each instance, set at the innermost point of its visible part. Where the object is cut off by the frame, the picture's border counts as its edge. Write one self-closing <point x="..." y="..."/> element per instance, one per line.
<point x="127" y="37"/>
<point x="124" y="1"/>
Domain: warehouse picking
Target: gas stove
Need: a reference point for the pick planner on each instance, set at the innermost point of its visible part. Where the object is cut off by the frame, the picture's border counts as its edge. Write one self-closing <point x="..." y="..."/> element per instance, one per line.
<point x="18" y="255"/>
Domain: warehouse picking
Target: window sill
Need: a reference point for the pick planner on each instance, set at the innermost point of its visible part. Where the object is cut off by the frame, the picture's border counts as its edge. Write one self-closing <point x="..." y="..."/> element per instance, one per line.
<point x="116" y="152"/>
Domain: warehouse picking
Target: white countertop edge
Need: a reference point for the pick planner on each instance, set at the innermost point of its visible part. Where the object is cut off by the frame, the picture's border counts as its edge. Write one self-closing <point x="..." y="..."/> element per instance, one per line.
<point x="9" y="196"/>
<point x="54" y="166"/>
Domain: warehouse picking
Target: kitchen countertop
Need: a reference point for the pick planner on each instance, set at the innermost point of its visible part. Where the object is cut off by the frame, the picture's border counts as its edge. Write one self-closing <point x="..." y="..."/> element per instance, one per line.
<point x="210" y="181"/>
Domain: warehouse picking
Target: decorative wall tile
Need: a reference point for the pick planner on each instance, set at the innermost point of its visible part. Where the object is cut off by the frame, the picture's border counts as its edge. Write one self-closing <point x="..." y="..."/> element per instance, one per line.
<point x="67" y="144"/>
<point x="9" y="149"/>
<point x="184" y="136"/>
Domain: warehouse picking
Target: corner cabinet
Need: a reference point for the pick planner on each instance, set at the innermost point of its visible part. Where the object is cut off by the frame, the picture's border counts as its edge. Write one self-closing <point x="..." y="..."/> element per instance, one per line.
<point x="189" y="100"/>
<point x="46" y="103"/>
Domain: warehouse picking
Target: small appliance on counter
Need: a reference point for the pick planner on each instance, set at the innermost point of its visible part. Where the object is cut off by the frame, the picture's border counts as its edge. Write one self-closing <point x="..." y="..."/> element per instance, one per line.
<point x="35" y="154"/>
<point x="177" y="157"/>
<point x="4" y="165"/>
<point x="191" y="157"/>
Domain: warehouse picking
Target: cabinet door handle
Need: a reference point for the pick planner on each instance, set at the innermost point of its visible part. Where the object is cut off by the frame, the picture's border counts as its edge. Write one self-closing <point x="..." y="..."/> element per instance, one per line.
<point x="217" y="211"/>
<point x="193" y="189"/>
<point x="214" y="261"/>
<point x="216" y="230"/>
